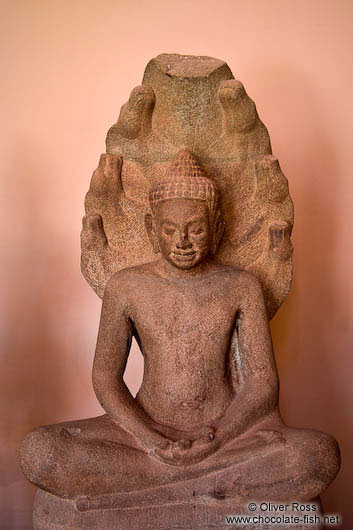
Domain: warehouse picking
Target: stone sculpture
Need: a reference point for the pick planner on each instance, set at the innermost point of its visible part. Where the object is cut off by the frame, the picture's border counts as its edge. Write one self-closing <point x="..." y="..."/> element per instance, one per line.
<point x="189" y="165"/>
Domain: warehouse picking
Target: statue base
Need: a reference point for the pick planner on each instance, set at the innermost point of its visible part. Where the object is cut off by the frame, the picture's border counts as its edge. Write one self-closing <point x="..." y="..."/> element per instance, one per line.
<point x="55" y="513"/>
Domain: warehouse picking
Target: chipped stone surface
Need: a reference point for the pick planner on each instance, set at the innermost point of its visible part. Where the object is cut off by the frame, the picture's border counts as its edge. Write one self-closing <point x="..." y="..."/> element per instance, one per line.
<point x="204" y="435"/>
<point x="193" y="103"/>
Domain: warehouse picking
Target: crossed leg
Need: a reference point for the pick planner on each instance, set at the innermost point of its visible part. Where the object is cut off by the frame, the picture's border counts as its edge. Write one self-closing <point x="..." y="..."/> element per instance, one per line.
<point x="271" y="461"/>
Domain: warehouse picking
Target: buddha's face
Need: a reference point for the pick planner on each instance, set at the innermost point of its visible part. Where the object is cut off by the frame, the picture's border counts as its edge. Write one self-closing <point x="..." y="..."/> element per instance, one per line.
<point x="182" y="228"/>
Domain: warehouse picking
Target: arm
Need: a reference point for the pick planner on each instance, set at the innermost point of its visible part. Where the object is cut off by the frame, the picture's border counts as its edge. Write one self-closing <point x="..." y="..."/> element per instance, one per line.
<point x="256" y="389"/>
<point x="113" y="347"/>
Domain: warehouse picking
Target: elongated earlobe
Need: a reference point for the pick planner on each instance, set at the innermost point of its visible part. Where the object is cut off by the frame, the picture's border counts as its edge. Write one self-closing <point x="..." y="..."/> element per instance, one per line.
<point x="151" y="231"/>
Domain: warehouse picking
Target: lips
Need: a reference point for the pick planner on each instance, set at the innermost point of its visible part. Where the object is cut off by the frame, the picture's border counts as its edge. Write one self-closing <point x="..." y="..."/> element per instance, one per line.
<point x="184" y="255"/>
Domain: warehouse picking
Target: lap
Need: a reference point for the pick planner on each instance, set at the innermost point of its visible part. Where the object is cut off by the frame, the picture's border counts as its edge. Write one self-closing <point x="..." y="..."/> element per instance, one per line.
<point x="263" y="440"/>
<point x="97" y="454"/>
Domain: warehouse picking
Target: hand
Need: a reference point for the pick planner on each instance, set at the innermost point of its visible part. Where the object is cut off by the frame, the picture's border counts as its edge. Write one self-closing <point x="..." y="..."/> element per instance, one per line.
<point x="187" y="452"/>
<point x="152" y="441"/>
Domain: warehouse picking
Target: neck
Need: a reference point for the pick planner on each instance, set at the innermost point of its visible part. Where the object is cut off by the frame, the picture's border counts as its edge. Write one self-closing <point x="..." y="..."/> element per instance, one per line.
<point x="169" y="271"/>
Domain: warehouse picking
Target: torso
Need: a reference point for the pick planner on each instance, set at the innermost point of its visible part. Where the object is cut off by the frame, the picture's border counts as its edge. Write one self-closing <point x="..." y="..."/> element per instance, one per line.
<point x="184" y="327"/>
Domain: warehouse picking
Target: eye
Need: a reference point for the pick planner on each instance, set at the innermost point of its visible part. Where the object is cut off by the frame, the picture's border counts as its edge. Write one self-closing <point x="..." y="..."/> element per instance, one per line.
<point x="197" y="230"/>
<point x="169" y="230"/>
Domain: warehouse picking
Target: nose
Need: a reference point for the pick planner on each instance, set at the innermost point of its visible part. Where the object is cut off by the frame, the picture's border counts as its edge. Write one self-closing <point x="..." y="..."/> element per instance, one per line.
<point x="183" y="241"/>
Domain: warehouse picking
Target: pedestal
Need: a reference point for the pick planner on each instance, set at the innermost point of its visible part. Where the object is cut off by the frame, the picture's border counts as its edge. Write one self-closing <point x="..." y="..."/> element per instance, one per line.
<point x="54" y="513"/>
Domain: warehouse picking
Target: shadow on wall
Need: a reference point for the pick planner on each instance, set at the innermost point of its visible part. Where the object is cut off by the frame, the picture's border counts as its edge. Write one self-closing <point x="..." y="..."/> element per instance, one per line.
<point x="306" y="330"/>
<point x="35" y="346"/>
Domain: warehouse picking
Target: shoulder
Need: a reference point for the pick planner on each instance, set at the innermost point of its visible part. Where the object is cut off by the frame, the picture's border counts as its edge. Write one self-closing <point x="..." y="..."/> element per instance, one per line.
<point x="249" y="291"/>
<point x="249" y="280"/>
<point x="243" y="286"/>
<point x="122" y="279"/>
<point x="240" y="277"/>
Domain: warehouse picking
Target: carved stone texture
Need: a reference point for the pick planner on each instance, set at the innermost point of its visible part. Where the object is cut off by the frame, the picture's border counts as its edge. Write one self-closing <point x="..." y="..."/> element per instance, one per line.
<point x="193" y="103"/>
<point x="204" y="435"/>
<point x="53" y="513"/>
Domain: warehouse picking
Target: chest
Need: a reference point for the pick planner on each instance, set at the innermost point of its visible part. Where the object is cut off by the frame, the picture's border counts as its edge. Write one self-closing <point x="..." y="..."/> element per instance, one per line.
<point x="185" y="312"/>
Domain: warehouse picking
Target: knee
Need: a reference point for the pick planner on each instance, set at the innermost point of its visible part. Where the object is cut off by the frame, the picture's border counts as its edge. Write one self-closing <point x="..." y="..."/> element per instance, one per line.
<point x="37" y="455"/>
<point x="317" y="459"/>
<point x="327" y="458"/>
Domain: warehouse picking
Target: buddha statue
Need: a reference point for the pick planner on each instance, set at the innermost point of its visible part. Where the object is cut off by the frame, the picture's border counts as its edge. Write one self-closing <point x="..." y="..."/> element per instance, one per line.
<point x="205" y="420"/>
<point x="187" y="240"/>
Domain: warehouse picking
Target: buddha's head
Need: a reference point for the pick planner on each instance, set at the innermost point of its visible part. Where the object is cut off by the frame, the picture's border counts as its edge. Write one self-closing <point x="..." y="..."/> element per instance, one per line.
<point x="186" y="224"/>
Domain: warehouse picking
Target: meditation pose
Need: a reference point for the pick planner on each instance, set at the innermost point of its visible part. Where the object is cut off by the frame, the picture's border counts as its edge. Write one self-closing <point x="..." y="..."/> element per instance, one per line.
<point x="205" y="420"/>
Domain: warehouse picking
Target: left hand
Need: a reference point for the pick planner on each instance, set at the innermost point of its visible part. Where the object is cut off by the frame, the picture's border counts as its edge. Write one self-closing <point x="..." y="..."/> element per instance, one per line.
<point x="187" y="452"/>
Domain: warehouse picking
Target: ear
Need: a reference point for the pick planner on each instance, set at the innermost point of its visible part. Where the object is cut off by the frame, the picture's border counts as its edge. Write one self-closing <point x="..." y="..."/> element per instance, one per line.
<point x="218" y="230"/>
<point x="151" y="231"/>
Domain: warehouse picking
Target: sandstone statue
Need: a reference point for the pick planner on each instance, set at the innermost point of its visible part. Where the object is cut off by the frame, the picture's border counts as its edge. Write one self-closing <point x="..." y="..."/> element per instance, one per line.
<point x="187" y="239"/>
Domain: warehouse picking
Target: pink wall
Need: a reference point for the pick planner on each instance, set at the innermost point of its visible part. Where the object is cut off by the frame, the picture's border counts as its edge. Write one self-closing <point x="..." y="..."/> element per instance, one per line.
<point x="67" y="67"/>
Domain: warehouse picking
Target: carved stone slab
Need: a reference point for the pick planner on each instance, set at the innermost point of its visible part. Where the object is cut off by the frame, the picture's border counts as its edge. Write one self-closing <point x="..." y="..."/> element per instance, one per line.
<point x="53" y="513"/>
<point x="195" y="103"/>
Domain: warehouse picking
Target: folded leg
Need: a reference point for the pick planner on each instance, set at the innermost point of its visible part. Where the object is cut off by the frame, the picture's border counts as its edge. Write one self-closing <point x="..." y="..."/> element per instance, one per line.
<point x="78" y="459"/>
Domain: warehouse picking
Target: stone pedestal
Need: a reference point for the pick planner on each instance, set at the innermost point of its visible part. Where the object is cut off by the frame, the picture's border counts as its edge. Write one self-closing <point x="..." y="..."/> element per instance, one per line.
<point x="53" y="513"/>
